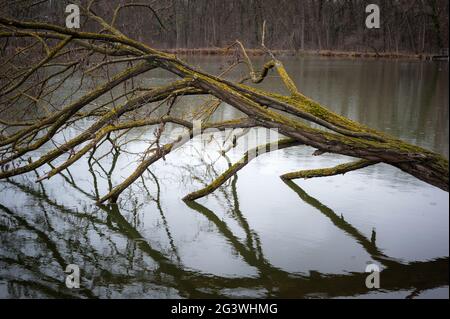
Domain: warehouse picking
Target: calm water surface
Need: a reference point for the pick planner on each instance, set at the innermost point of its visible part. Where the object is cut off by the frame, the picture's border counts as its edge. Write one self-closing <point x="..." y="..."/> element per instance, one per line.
<point x="256" y="236"/>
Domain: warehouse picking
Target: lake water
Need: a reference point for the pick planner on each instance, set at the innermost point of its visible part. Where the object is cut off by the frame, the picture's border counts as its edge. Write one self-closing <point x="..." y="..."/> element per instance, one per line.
<point x="256" y="236"/>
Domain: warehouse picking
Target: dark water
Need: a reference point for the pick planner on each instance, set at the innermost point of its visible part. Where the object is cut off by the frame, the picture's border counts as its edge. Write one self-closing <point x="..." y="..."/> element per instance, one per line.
<point x="256" y="236"/>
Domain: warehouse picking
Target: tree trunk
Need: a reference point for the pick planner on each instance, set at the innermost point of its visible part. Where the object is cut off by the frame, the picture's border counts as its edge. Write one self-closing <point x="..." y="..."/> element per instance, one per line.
<point x="336" y="134"/>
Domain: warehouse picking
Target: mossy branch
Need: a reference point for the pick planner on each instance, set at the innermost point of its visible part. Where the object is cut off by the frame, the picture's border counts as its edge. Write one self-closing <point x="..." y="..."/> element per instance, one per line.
<point x="337" y="134"/>
<point x="325" y="172"/>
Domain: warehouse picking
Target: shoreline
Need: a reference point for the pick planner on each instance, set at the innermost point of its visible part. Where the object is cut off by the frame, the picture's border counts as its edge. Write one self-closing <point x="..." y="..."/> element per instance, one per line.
<point x="323" y="53"/>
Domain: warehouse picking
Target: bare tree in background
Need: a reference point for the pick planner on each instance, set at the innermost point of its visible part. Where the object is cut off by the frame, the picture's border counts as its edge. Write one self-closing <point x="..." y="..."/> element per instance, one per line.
<point x="419" y="26"/>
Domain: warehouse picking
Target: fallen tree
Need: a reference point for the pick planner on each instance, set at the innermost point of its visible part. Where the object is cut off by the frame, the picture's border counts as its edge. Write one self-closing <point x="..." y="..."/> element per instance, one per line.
<point x="59" y="53"/>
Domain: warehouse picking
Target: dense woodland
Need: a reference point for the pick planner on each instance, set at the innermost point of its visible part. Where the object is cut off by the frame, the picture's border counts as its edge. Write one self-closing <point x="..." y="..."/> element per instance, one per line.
<point x="419" y="26"/>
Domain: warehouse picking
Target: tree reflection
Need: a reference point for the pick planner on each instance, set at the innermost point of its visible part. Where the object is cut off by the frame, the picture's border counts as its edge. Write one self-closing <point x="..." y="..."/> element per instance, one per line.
<point x="118" y="261"/>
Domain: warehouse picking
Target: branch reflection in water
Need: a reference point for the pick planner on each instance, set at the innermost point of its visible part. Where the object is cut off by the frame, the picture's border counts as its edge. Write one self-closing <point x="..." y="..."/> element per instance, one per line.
<point x="119" y="260"/>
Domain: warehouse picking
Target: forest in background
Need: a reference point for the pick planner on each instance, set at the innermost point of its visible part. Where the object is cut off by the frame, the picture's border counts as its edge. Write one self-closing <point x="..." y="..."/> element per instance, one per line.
<point x="419" y="26"/>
